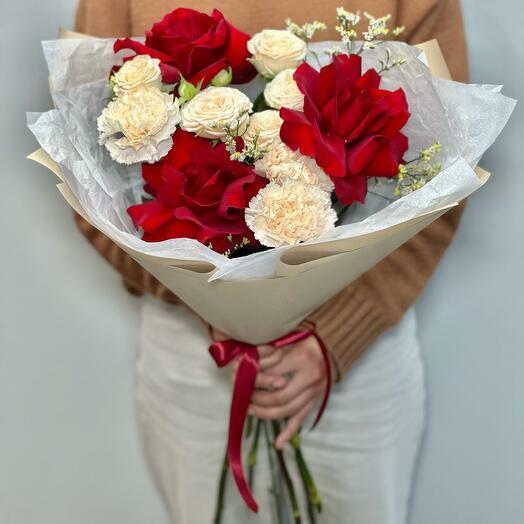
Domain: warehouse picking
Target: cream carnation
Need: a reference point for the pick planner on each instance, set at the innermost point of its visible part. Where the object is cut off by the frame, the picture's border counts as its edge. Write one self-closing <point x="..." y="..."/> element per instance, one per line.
<point x="211" y="110"/>
<point x="276" y="155"/>
<point x="265" y="126"/>
<point x="280" y="162"/>
<point x="289" y="213"/>
<point x="274" y="50"/>
<point x="303" y="170"/>
<point x="141" y="71"/>
<point x="137" y="126"/>
<point x="283" y="91"/>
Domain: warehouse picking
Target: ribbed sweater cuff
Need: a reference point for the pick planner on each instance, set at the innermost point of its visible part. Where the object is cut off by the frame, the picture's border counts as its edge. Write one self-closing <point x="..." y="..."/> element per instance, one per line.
<point x="347" y="325"/>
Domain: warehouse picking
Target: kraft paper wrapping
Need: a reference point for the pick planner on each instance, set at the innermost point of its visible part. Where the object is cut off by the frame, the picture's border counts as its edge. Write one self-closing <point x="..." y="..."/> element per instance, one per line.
<point x="264" y="296"/>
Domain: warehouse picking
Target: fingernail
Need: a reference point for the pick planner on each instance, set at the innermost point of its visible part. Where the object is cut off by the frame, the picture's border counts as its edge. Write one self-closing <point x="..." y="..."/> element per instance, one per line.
<point x="251" y="411"/>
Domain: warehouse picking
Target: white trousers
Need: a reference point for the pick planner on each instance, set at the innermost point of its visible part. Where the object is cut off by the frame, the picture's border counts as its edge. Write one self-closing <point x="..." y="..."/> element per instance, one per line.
<point x="362" y="453"/>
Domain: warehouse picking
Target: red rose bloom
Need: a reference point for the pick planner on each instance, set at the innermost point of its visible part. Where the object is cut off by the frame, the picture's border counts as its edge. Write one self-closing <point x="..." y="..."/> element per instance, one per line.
<point x="199" y="192"/>
<point x="196" y="46"/>
<point x="349" y="126"/>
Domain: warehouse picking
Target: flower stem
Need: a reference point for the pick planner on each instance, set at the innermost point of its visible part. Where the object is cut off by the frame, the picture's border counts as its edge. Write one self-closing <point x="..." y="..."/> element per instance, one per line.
<point x="274" y="479"/>
<point x="249" y="426"/>
<point x="252" y="457"/>
<point x="221" y="491"/>
<point x="313" y="498"/>
<point x="287" y="477"/>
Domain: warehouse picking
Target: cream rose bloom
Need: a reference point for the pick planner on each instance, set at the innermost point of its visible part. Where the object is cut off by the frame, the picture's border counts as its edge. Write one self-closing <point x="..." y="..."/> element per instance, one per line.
<point x="138" y="125"/>
<point x="214" y="108"/>
<point x="283" y="91"/>
<point x="289" y="213"/>
<point x="281" y="163"/>
<point x="274" y="50"/>
<point x="264" y="125"/>
<point x="141" y="71"/>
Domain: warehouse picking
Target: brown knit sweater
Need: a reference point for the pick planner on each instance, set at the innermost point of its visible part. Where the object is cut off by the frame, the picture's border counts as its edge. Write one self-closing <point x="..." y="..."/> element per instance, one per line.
<point x="353" y="319"/>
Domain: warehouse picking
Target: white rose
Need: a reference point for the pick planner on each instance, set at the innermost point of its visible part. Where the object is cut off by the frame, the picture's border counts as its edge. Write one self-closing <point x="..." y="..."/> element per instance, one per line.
<point x="137" y="126"/>
<point x="141" y="71"/>
<point x="265" y="126"/>
<point x="211" y="110"/>
<point x="283" y="91"/>
<point x="289" y="213"/>
<point x="274" y="50"/>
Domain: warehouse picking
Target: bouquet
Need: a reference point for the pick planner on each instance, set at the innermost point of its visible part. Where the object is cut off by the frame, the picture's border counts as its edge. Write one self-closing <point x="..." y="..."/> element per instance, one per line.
<point x="257" y="176"/>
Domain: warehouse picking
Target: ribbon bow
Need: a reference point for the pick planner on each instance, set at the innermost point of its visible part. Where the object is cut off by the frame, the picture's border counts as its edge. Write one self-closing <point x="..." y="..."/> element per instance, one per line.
<point x="224" y="352"/>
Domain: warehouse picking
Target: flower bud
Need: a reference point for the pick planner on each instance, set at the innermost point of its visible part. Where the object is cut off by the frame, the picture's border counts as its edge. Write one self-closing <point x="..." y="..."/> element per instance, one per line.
<point x="186" y="90"/>
<point x="223" y="78"/>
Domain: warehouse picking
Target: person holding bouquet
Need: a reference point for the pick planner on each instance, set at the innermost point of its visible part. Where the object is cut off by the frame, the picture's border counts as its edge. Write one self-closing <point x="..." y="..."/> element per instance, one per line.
<point x="364" y="451"/>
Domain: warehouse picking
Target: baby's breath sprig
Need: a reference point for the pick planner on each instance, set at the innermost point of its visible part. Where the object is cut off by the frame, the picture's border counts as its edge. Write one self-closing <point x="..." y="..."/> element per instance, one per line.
<point x="243" y="243"/>
<point x="306" y="31"/>
<point x="250" y="153"/>
<point x="390" y="62"/>
<point x="332" y="51"/>
<point x="377" y="31"/>
<point x="397" y="31"/>
<point x="346" y="27"/>
<point x="377" y="28"/>
<point x="418" y="172"/>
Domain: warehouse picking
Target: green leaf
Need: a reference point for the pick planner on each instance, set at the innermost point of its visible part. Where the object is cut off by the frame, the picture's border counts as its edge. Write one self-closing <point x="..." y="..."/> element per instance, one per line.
<point x="260" y="103"/>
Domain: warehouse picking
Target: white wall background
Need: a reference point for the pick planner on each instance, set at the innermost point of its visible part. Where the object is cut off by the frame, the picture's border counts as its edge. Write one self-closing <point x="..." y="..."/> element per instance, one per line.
<point x="68" y="448"/>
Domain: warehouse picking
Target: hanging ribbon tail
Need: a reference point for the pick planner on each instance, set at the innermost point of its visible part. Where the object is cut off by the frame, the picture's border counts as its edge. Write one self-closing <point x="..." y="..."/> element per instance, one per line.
<point x="223" y="352"/>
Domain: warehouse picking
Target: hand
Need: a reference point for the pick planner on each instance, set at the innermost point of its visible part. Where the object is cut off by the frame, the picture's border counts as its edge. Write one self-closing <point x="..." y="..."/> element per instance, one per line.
<point x="269" y="356"/>
<point x="290" y="382"/>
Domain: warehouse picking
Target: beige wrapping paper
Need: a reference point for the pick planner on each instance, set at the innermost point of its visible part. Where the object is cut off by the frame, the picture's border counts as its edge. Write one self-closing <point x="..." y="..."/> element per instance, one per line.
<point x="263" y="309"/>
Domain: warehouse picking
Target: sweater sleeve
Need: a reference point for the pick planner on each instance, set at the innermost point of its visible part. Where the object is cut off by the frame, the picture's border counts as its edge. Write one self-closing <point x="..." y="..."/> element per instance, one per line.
<point x="107" y="19"/>
<point x="103" y="18"/>
<point x="376" y="301"/>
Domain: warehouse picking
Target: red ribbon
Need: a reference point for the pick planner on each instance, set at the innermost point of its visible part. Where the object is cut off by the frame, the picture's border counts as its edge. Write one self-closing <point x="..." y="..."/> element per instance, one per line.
<point x="224" y="352"/>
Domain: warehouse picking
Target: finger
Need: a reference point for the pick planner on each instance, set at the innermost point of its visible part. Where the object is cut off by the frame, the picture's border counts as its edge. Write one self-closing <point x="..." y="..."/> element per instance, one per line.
<point x="291" y="361"/>
<point x="271" y="360"/>
<point x="266" y="351"/>
<point x="284" y="395"/>
<point x="290" y="409"/>
<point x="292" y="425"/>
<point x="265" y="381"/>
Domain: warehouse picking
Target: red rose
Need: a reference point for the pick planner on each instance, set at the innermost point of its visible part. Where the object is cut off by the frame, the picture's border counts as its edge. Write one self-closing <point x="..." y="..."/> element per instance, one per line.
<point x="196" y="46"/>
<point x="199" y="192"/>
<point x="349" y="126"/>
